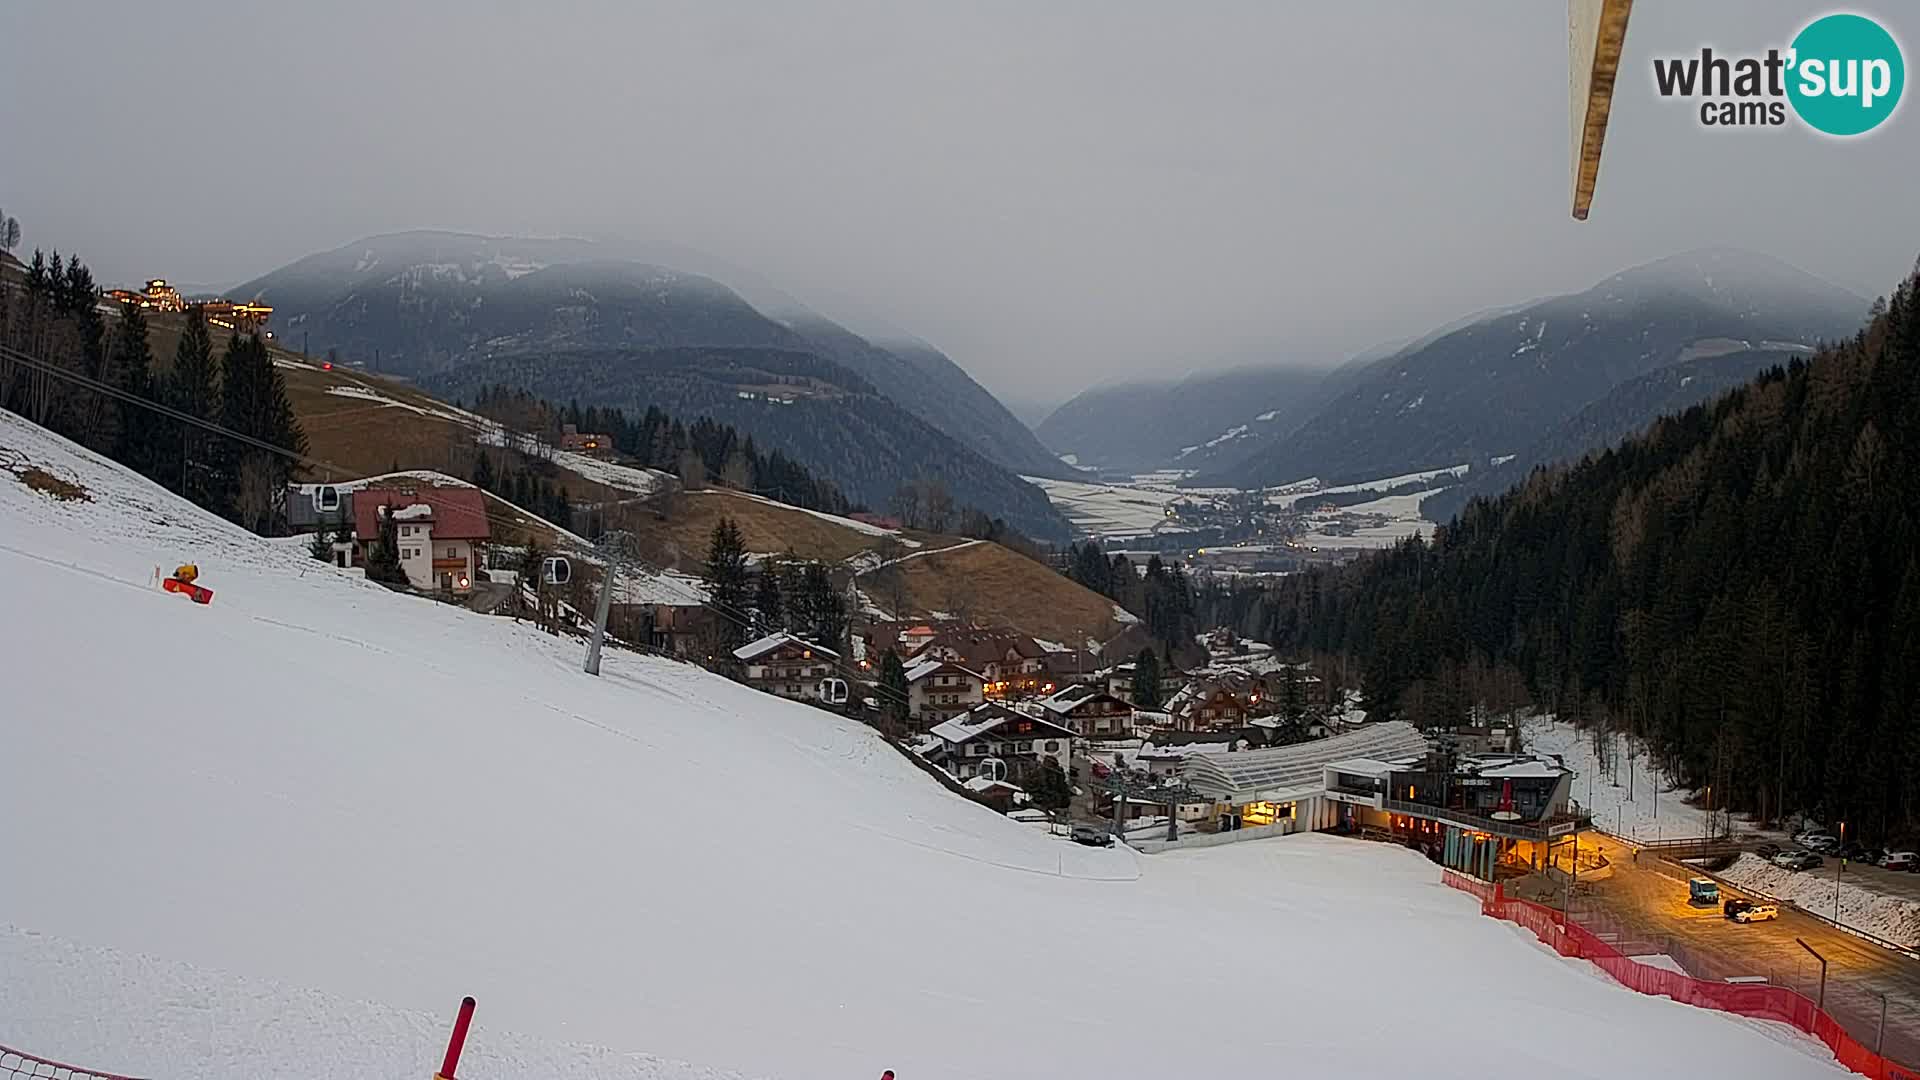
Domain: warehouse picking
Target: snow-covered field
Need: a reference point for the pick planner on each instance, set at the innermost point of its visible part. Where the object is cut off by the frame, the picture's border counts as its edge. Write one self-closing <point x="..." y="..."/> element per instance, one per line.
<point x="281" y="835"/>
<point x="1099" y="509"/>
<point x="1894" y="918"/>
<point x="1621" y="796"/>
<point x="1402" y="519"/>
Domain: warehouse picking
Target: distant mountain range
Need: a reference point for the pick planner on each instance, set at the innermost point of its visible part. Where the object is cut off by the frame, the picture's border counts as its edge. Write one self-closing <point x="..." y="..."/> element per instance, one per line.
<point x="569" y="318"/>
<point x="1202" y="419"/>
<point x="1524" y="385"/>
<point x="1498" y="386"/>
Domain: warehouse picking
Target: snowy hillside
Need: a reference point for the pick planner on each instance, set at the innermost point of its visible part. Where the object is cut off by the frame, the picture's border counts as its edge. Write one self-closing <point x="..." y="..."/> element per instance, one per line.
<point x="282" y="834"/>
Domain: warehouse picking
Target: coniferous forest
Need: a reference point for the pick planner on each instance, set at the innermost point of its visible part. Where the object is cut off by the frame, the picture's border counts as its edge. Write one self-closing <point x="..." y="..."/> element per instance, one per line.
<point x="1740" y="585"/>
<point x="65" y="350"/>
<point x="701" y="452"/>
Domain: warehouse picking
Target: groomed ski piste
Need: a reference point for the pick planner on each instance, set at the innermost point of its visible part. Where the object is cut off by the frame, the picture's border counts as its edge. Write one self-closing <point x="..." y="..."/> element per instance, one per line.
<point x="283" y="834"/>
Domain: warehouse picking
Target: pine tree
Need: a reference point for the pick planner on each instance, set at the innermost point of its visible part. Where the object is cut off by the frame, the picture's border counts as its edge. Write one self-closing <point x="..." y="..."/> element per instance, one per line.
<point x="383" y="555"/>
<point x="895" y="701"/>
<point x="254" y="402"/>
<point x="321" y="546"/>
<point x="138" y="438"/>
<point x="1048" y="786"/>
<point x="769" y="615"/>
<point x="194" y="389"/>
<point x="483" y="472"/>
<point x="725" y="575"/>
<point x="826" y="606"/>
<point x="1146" y="680"/>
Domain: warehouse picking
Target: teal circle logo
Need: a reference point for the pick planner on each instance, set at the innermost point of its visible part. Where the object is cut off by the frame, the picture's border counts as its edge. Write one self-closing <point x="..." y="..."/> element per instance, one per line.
<point x="1846" y="74"/>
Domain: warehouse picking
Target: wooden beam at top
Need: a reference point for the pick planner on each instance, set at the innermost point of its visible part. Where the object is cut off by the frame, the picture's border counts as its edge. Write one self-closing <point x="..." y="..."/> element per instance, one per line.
<point x="1597" y="32"/>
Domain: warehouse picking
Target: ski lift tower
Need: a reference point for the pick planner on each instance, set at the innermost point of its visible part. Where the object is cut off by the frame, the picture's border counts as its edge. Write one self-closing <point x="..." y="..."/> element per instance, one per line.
<point x="1596" y="34"/>
<point x="620" y="548"/>
<point x="1126" y="787"/>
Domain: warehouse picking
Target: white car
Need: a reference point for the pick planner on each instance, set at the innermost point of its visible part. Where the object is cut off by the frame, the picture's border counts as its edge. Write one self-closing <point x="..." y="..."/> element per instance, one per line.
<point x="1758" y="913"/>
<point x="1822" y="842"/>
<point x="1900" y="860"/>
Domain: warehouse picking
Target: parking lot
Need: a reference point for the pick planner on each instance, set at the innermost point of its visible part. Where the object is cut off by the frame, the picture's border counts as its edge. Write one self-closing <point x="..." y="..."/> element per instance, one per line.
<point x="1651" y="903"/>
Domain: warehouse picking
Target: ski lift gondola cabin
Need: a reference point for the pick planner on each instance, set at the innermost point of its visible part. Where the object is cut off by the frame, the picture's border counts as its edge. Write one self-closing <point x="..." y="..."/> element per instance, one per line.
<point x="833" y="691"/>
<point x="557" y="570"/>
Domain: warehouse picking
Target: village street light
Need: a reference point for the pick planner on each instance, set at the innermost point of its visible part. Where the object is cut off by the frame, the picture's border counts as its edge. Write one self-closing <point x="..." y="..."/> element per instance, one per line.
<point x="1822" y="1003"/>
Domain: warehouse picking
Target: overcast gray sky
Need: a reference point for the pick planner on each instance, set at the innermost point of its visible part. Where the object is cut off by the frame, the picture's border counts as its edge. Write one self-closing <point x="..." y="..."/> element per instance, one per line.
<point x="1056" y="193"/>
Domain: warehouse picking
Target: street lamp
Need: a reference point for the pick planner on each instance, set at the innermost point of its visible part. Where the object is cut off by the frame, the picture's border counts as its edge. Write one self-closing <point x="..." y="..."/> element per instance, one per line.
<point x="1822" y="1003"/>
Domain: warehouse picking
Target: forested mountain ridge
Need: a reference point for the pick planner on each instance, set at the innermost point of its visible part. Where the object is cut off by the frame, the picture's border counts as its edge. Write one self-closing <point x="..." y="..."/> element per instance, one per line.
<point x="1740" y="585"/>
<point x="1627" y="410"/>
<point x="809" y="409"/>
<point x="1502" y="383"/>
<point x="424" y="298"/>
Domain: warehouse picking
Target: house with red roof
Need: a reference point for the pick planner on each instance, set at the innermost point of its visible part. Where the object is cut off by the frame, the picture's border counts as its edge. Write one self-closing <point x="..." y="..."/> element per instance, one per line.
<point x="441" y="532"/>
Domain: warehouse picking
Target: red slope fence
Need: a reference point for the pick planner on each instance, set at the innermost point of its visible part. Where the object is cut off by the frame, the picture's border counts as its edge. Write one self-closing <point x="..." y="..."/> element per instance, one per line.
<point x="15" y="1065"/>
<point x="1761" y="1001"/>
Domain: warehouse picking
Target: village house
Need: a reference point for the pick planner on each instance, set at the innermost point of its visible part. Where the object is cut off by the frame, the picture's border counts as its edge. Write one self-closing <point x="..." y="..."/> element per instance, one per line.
<point x="1209" y="705"/>
<point x="440" y="533"/>
<point x="996" y="742"/>
<point x="786" y="666"/>
<point x="1088" y="712"/>
<point x="1014" y="665"/>
<point x="665" y="612"/>
<point x="574" y="440"/>
<point x="1066" y="667"/>
<point x="938" y="691"/>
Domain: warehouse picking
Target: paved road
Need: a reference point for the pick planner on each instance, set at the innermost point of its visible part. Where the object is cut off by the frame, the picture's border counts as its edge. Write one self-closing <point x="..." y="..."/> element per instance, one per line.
<point x="1652" y="906"/>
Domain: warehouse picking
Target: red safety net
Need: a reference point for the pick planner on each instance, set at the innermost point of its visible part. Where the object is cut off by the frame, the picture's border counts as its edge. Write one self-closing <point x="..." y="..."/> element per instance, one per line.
<point x="15" y="1065"/>
<point x="1758" y="1000"/>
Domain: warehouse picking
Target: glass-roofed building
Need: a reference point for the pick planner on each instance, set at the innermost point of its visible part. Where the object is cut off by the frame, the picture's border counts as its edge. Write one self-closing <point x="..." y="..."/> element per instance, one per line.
<point x="1286" y="786"/>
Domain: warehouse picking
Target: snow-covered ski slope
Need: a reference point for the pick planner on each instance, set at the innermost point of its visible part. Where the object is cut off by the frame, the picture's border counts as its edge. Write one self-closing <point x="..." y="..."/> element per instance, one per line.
<point x="283" y="834"/>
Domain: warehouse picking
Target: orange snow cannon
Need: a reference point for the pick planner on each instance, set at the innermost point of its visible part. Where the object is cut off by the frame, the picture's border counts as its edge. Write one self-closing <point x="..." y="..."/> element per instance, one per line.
<point x="183" y="581"/>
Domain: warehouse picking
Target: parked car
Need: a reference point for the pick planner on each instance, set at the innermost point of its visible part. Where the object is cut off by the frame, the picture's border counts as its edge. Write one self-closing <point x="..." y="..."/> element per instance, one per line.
<point x="1901" y="860"/>
<point x="1821" y="842"/>
<point x="1802" y="860"/>
<point x="1734" y="907"/>
<point x="1767" y="851"/>
<point x="1757" y="913"/>
<point x="1781" y="859"/>
<point x="1092" y="836"/>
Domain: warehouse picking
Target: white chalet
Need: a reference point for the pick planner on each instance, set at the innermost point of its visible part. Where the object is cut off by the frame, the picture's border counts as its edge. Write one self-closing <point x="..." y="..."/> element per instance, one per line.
<point x="939" y="690"/>
<point x="787" y="666"/>
<point x="997" y="742"/>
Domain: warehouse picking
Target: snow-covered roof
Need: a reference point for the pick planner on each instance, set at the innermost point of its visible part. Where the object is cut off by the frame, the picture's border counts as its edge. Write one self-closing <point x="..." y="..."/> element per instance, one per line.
<point x="982" y="784"/>
<point x="1518" y="770"/>
<point x="986" y="718"/>
<point x="755" y="649"/>
<point x="1184" y="750"/>
<point x="413" y="513"/>
<point x="923" y="668"/>
<point x="1066" y="698"/>
<point x="1290" y="768"/>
